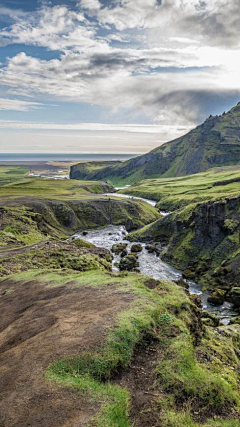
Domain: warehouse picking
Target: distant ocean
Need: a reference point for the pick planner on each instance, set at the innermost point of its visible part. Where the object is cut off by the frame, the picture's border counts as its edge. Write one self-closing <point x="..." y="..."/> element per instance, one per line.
<point x="31" y="157"/>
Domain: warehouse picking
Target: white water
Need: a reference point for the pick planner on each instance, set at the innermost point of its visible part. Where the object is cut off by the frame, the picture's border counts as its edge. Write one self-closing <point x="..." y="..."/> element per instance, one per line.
<point x="126" y="196"/>
<point x="151" y="265"/>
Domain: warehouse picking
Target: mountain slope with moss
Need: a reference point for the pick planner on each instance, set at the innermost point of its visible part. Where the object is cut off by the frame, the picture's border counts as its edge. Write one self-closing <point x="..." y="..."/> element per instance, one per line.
<point x="214" y="143"/>
<point x="203" y="239"/>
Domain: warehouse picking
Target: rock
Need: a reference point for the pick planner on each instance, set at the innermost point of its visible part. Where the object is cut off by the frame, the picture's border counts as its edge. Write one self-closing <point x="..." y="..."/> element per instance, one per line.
<point x="156" y="248"/>
<point x="117" y="248"/>
<point x="159" y="248"/>
<point x="188" y="274"/>
<point x="124" y="253"/>
<point x="136" y="248"/>
<point x="217" y="297"/>
<point x="234" y="296"/>
<point x="210" y="319"/>
<point x="152" y="283"/>
<point x="235" y="320"/>
<point x="80" y="243"/>
<point x="182" y="283"/>
<point x="128" y="263"/>
<point x="150" y="248"/>
<point x="85" y="233"/>
<point x="196" y="300"/>
<point x="134" y="254"/>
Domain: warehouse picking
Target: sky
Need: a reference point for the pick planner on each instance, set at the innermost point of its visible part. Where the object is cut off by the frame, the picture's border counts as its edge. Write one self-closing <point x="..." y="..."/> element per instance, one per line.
<point x="121" y="76"/>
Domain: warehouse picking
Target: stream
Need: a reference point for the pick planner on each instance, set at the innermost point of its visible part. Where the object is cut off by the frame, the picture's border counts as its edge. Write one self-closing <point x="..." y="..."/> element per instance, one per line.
<point x="149" y="263"/>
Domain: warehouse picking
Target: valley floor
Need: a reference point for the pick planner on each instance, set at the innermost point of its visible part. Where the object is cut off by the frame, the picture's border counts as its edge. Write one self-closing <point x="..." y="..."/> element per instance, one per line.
<point x="83" y="346"/>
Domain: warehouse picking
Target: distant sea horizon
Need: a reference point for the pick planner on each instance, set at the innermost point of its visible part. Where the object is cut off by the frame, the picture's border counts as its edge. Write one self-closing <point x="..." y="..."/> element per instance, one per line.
<point x="47" y="157"/>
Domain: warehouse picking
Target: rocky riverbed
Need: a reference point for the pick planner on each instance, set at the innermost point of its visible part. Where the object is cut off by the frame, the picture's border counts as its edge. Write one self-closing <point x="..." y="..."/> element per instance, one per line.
<point x="151" y="265"/>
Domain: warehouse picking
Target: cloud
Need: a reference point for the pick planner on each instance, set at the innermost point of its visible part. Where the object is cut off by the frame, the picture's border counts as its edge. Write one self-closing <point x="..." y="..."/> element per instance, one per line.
<point x="56" y="28"/>
<point x="161" y="60"/>
<point x="102" y="127"/>
<point x="90" y="5"/>
<point x="123" y="83"/>
<point x="216" y="22"/>
<point x="85" y="137"/>
<point x="18" y="105"/>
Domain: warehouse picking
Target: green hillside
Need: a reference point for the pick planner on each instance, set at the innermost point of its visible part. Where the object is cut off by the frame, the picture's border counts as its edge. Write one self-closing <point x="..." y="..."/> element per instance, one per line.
<point x="214" y="143"/>
<point x="175" y="193"/>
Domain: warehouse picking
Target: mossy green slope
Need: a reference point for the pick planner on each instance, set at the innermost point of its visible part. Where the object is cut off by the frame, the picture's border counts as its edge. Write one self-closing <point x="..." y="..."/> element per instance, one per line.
<point x="175" y="193"/>
<point x="214" y="143"/>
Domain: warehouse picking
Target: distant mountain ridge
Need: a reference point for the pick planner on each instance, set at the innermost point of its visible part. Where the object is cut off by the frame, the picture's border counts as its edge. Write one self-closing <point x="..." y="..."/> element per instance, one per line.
<point x="214" y="143"/>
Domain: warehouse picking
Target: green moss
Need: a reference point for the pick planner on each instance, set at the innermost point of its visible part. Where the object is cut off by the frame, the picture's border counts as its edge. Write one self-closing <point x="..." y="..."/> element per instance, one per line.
<point x="81" y="243"/>
<point x="182" y="376"/>
<point x="231" y="224"/>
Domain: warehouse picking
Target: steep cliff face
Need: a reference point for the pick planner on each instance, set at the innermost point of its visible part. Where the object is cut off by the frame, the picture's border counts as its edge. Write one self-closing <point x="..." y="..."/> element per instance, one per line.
<point x="203" y="239"/>
<point x="214" y="143"/>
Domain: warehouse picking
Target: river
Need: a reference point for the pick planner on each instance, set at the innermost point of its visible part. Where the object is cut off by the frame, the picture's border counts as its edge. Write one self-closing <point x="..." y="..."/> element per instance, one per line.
<point x="150" y="264"/>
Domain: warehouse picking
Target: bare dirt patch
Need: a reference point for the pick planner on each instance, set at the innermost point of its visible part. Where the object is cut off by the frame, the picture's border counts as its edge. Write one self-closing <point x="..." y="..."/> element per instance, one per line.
<point x="140" y="378"/>
<point x="39" y="325"/>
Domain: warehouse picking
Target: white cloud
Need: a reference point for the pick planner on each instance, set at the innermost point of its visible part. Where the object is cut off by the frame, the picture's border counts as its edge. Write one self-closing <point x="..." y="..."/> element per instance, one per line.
<point x="102" y="127"/>
<point x="91" y="5"/>
<point x="18" y="105"/>
<point x="56" y="28"/>
<point x="163" y="60"/>
<point x="214" y="21"/>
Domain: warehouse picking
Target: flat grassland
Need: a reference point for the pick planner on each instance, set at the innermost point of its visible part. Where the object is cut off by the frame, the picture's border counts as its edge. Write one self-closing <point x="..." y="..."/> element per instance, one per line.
<point x="10" y="174"/>
<point x="14" y="181"/>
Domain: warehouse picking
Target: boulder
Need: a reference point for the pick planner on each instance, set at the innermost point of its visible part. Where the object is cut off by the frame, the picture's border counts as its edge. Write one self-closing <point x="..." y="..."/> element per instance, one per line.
<point x="235" y="320"/>
<point x="217" y="297"/>
<point x="234" y="296"/>
<point x="128" y="263"/>
<point x="80" y="243"/>
<point x="135" y="254"/>
<point x="150" y="248"/>
<point x="196" y="299"/>
<point x="137" y="247"/>
<point x="117" y="248"/>
<point x="159" y="248"/>
<point x="182" y="283"/>
<point x="124" y="253"/>
<point x="188" y="274"/>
